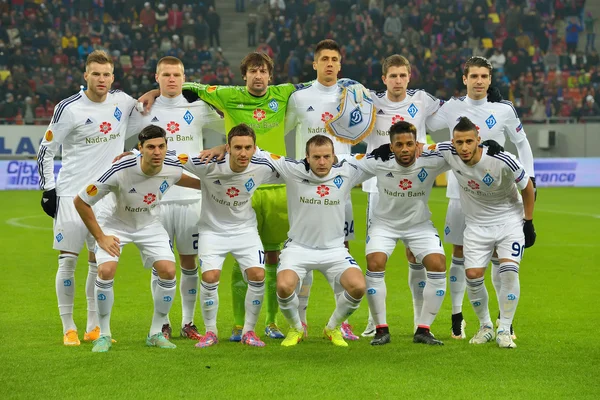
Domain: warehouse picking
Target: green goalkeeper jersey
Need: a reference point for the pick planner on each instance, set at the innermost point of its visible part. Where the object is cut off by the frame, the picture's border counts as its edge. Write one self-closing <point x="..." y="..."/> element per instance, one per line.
<point x="265" y="114"/>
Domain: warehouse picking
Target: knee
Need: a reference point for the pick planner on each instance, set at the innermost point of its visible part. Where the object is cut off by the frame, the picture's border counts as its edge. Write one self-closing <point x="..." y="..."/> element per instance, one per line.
<point x="435" y="263"/>
<point x="376" y="262"/>
<point x="106" y="272"/>
<point x="211" y="276"/>
<point x="356" y="287"/>
<point x="474" y="273"/>
<point x="255" y="274"/>
<point x="188" y="262"/>
<point x="284" y="289"/>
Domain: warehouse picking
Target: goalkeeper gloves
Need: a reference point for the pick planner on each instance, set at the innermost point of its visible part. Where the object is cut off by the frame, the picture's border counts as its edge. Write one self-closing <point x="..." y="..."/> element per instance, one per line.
<point x="49" y="202"/>
<point x="383" y="153"/>
<point x="494" y="95"/>
<point x="529" y="232"/>
<point x="493" y="147"/>
<point x="360" y="92"/>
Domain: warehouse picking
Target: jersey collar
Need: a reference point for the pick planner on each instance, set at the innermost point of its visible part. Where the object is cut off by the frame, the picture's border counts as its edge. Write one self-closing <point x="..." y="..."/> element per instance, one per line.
<point x="472" y="102"/>
<point x="325" y="89"/>
<point x="170" y="101"/>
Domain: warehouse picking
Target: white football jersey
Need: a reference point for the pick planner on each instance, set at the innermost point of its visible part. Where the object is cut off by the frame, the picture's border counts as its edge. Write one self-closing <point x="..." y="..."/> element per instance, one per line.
<point x="227" y="195"/>
<point x="403" y="191"/>
<point x="488" y="189"/>
<point x="184" y="123"/>
<point x="495" y="121"/>
<point x="91" y="134"/>
<point x="316" y="206"/>
<point x="307" y="111"/>
<point x="138" y="195"/>
<point x="416" y="107"/>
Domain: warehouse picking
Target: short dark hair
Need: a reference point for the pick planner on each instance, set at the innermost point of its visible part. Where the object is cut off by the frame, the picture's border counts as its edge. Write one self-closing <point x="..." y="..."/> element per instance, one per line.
<point x="477" y="62"/>
<point x="256" y="59"/>
<point x="395" y="60"/>
<point x="151" y="132"/>
<point x="241" y="130"/>
<point x="465" y="125"/>
<point x="327" y="44"/>
<point x="319" y="140"/>
<point x="401" y="127"/>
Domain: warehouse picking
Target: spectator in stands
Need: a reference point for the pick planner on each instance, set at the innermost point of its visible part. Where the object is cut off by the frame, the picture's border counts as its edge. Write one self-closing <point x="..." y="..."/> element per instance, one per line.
<point x="590" y="31"/>
<point x="572" y="34"/>
<point x="84" y="49"/>
<point x="175" y="18"/>
<point x="214" y="24"/>
<point x="463" y="29"/>
<point x="538" y="110"/>
<point x="590" y="107"/>
<point x="148" y="17"/>
<point x="161" y="15"/>
<point x="251" y="24"/>
<point x="498" y="59"/>
<point x="392" y="27"/>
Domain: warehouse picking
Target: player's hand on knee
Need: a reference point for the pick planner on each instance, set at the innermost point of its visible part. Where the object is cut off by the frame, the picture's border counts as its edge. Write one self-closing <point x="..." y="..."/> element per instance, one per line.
<point x="493" y="147"/>
<point x="117" y="158"/>
<point x="383" y="152"/>
<point x="110" y="244"/>
<point x="49" y="202"/>
<point x="529" y="232"/>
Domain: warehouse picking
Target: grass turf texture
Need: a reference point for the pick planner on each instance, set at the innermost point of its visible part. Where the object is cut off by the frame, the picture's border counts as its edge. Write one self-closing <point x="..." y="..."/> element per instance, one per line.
<point x="556" y="324"/>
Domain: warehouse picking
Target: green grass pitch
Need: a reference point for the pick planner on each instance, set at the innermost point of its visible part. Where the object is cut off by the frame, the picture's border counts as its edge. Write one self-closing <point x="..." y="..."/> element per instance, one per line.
<point x="558" y="354"/>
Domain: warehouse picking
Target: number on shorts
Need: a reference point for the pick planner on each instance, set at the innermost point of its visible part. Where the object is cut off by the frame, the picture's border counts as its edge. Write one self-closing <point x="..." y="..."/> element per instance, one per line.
<point x="348" y="228"/>
<point x="438" y="236"/>
<point x="351" y="261"/>
<point x="195" y="242"/>
<point x="261" y="257"/>
<point x="518" y="249"/>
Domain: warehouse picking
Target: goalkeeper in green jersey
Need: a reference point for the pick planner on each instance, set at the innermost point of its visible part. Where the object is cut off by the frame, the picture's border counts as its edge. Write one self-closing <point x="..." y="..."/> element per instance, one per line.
<point x="263" y="108"/>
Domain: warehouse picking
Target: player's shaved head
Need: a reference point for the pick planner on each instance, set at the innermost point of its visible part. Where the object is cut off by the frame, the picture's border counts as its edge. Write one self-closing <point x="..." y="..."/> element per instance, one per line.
<point x="241" y="130"/>
<point x="168" y="60"/>
<point x="402" y="127"/>
<point x="320" y="155"/>
<point x="317" y="141"/>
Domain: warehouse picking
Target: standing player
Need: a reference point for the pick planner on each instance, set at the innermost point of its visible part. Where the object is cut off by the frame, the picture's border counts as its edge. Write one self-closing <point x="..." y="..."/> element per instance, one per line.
<point x="180" y="208"/>
<point x="309" y="108"/>
<point x="90" y="126"/>
<point x="228" y="225"/>
<point x="495" y="121"/>
<point x="139" y="183"/>
<point x="317" y="190"/>
<point x="263" y="108"/>
<point x="401" y="214"/>
<point x="498" y="219"/>
<point x="398" y="103"/>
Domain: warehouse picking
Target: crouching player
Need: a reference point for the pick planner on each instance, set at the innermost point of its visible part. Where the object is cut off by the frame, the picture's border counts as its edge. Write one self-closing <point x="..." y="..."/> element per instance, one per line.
<point x="138" y="183"/>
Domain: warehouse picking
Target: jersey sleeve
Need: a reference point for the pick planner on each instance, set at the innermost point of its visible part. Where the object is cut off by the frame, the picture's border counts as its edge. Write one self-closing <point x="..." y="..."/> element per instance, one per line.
<point x="446" y="149"/>
<point x="212" y="120"/>
<point x="107" y="183"/>
<point x="291" y="115"/>
<point x="435" y="159"/>
<point x="173" y="161"/>
<point x="432" y="105"/>
<point x="194" y="165"/>
<point x="284" y="166"/>
<point x="214" y="95"/>
<point x="357" y="175"/>
<point x="514" y="167"/>
<point x="437" y="120"/>
<point x="60" y="127"/>
<point x="513" y="128"/>
<point x="135" y="124"/>
<point x="366" y="163"/>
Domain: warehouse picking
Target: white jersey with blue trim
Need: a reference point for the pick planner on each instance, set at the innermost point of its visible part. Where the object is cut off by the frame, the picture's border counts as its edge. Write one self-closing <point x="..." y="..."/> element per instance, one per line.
<point x="495" y="121"/>
<point x="91" y="135"/>
<point x="416" y="107"/>
<point x="184" y="123"/>
<point x="138" y="195"/>
<point x="307" y="111"/>
<point x="316" y="205"/>
<point x="489" y="192"/>
<point x="227" y="195"/>
<point x="403" y="191"/>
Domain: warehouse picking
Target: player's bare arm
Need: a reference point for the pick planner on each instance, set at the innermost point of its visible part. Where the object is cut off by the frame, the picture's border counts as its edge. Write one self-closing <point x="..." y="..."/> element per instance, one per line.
<point x="189" y="182"/>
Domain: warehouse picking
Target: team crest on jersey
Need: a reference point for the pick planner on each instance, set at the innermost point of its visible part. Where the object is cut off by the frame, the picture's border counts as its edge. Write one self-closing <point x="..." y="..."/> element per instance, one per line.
<point x="447" y="230"/>
<point x="259" y="114"/>
<point x="397" y="118"/>
<point x="149" y="198"/>
<point x="490" y="121"/>
<point x="355" y="117"/>
<point x="422" y="175"/>
<point x="118" y="114"/>
<point x="188" y="117"/>
<point x="163" y="187"/>
<point x="183" y="158"/>
<point x="172" y="127"/>
<point x="322" y="190"/>
<point x="49" y="136"/>
<point x="405" y="184"/>
<point x="250" y="184"/>
<point x="274" y="105"/>
<point x="473" y="185"/>
<point x="338" y="181"/>
<point x="326" y="116"/>
<point x="232" y="192"/>
<point x="91" y="190"/>
<point x="105" y="127"/>
<point x="413" y="110"/>
<point x="487" y="179"/>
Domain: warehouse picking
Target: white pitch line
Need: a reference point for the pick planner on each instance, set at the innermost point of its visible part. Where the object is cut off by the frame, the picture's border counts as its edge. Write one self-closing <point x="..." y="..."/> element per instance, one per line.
<point x="17" y="222"/>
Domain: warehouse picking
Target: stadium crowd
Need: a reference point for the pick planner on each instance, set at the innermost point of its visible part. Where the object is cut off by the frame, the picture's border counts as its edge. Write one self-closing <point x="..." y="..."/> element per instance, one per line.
<point x="533" y="46"/>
